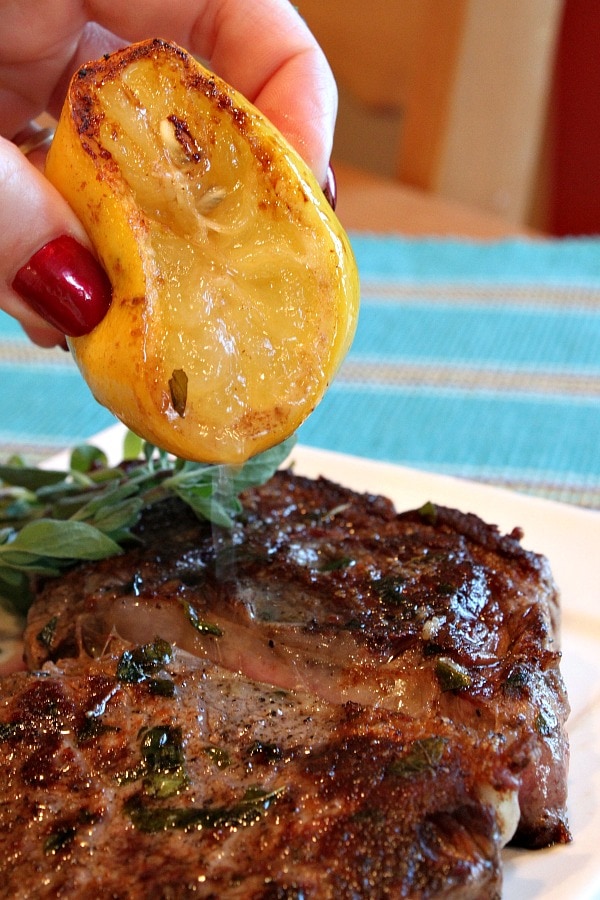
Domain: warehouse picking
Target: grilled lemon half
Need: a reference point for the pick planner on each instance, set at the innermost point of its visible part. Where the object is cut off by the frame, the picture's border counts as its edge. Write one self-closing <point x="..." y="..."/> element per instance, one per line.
<point x="235" y="290"/>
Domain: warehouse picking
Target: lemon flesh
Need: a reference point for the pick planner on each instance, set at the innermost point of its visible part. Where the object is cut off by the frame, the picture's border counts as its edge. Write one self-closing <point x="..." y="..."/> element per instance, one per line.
<point x="235" y="290"/>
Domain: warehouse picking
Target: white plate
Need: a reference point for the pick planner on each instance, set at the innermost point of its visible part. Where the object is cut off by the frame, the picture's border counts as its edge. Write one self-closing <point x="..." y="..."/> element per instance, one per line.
<point x="570" y="538"/>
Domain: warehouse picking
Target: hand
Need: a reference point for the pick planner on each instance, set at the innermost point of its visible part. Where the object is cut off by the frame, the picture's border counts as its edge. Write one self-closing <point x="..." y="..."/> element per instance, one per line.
<point x="50" y="281"/>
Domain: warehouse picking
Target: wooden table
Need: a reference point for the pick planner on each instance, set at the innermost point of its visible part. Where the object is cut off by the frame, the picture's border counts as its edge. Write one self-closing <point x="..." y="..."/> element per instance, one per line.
<point x="367" y="202"/>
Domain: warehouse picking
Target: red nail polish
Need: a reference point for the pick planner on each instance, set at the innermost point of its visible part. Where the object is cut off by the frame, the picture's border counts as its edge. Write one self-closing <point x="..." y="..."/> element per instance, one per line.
<point x="330" y="189"/>
<point x="65" y="284"/>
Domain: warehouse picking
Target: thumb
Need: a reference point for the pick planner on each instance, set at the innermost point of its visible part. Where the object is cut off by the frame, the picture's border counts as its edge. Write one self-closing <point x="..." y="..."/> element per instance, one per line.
<point x="50" y="281"/>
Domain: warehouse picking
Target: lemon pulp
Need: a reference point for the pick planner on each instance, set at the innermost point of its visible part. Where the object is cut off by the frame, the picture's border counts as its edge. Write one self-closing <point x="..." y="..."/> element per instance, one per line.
<point x="235" y="292"/>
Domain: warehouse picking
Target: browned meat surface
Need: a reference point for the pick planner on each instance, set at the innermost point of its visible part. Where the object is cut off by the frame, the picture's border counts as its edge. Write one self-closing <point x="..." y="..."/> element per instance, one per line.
<point x="332" y="700"/>
<point x="255" y="792"/>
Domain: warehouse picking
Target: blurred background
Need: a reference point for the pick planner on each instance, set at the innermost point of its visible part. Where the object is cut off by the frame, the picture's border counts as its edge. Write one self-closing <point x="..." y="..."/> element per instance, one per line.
<point x="494" y="103"/>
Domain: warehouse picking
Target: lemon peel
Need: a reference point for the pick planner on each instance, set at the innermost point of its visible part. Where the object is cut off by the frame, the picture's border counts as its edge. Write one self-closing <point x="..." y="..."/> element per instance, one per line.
<point x="235" y="289"/>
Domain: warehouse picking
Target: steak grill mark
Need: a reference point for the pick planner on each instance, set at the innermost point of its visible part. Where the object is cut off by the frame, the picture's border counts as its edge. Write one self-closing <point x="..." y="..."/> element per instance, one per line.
<point x="331" y="700"/>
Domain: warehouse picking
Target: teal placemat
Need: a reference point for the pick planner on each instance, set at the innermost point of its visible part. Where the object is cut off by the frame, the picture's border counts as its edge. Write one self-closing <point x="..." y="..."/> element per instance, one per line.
<point x="475" y="359"/>
<point x="44" y="403"/>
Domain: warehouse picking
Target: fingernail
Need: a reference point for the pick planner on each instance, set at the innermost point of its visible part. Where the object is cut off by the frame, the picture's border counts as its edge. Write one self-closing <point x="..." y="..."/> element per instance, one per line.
<point x="330" y="189"/>
<point x="65" y="284"/>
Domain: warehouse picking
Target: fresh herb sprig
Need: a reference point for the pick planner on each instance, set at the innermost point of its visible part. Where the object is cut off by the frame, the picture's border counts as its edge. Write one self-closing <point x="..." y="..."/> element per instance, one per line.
<point x="50" y="520"/>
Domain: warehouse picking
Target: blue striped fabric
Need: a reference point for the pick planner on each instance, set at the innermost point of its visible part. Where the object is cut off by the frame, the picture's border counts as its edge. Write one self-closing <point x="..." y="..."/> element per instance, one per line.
<point x="475" y="359"/>
<point x="44" y="403"/>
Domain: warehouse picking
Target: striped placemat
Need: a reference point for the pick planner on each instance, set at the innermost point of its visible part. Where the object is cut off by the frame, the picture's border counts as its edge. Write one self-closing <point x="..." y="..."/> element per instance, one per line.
<point x="44" y="403"/>
<point x="480" y="360"/>
<point x="474" y="359"/>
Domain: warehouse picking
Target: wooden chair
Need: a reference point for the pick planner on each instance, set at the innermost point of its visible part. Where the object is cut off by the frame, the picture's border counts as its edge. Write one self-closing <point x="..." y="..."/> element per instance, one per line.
<point x="456" y="89"/>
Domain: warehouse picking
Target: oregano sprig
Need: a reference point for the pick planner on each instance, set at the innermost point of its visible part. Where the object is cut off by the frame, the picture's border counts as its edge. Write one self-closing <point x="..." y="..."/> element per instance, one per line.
<point x="50" y="519"/>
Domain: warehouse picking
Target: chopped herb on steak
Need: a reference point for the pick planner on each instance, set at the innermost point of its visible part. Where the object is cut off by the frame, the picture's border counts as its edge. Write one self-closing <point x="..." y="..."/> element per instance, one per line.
<point x="329" y="700"/>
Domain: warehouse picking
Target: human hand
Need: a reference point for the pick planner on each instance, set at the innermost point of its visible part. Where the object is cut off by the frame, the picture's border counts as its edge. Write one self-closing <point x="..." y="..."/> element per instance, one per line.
<point x="50" y="281"/>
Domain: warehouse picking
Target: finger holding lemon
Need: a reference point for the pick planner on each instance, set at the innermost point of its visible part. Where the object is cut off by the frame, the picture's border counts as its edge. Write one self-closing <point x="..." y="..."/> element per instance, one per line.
<point x="49" y="279"/>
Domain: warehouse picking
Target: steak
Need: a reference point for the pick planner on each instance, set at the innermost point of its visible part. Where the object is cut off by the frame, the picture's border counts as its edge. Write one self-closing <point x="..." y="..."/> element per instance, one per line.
<point x="329" y="700"/>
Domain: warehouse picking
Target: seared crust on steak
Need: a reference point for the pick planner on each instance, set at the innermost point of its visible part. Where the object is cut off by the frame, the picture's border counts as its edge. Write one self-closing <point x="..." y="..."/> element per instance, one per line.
<point x="358" y="803"/>
<point x="352" y="702"/>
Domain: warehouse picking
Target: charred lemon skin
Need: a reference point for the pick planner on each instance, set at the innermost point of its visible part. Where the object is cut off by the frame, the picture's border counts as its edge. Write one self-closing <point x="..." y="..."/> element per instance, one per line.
<point x="235" y="290"/>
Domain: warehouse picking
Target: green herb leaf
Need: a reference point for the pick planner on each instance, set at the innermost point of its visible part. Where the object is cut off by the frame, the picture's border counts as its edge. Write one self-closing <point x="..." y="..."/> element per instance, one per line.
<point x="62" y="540"/>
<point x="161" y="687"/>
<point x="46" y="635"/>
<point x="164" y="762"/>
<point x="59" y="839"/>
<point x="199" y="624"/>
<point x="178" y="386"/>
<point x="30" y="478"/>
<point x="50" y="520"/>
<point x="15" y="595"/>
<point x="86" y="457"/>
<point x="134" y="666"/>
<point x="133" y="446"/>
<point x="247" y="811"/>
<point x="424" y="755"/>
<point x="451" y="675"/>
<point x="428" y="513"/>
<point x="218" y="756"/>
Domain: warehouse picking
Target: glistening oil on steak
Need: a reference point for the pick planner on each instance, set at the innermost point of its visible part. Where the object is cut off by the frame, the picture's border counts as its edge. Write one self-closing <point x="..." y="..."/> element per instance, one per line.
<point x="339" y="701"/>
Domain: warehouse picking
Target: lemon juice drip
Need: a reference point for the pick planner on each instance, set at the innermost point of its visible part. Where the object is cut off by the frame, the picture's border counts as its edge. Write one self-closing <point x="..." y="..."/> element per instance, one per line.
<point x="222" y="538"/>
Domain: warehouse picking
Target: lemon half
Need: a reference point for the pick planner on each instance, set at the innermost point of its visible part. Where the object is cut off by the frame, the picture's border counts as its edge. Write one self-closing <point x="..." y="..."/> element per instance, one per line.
<point x="235" y="290"/>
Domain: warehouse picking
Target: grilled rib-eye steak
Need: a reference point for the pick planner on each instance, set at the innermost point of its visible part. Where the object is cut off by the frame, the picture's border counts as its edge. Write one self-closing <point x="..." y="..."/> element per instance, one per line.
<point x="332" y="700"/>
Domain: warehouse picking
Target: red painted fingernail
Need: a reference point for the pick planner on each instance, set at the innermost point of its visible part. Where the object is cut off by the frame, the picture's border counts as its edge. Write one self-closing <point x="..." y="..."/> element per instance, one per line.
<point x="330" y="189"/>
<point x="65" y="284"/>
